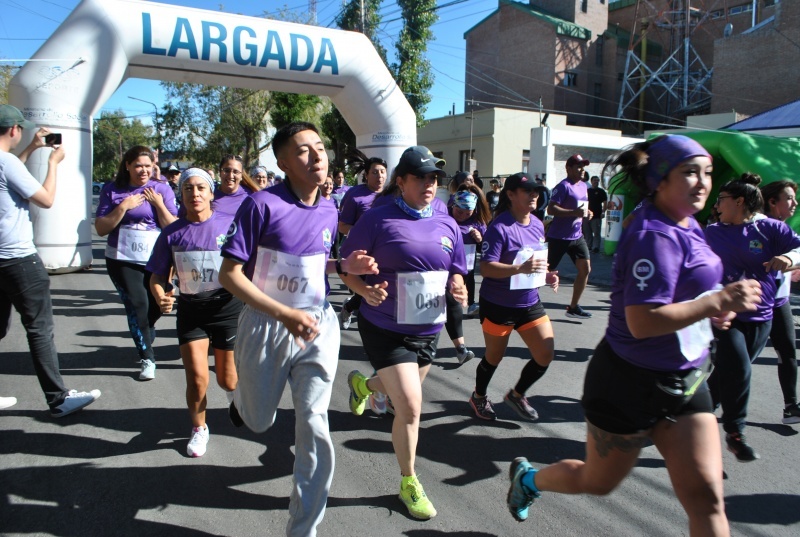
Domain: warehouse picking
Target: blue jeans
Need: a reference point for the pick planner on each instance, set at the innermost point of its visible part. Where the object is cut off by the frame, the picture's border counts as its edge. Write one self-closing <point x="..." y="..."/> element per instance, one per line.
<point x="25" y="285"/>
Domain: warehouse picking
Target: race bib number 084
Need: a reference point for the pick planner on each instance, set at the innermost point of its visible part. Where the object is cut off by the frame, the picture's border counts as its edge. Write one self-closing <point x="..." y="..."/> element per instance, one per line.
<point x="136" y="244"/>
<point x="420" y="297"/>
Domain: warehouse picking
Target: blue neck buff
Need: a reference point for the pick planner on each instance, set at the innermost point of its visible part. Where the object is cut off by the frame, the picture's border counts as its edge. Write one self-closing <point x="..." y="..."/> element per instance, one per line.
<point x="427" y="212"/>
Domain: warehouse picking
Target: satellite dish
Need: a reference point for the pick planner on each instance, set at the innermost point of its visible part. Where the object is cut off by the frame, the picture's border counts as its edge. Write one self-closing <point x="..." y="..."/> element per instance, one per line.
<point x="728" y="30"/>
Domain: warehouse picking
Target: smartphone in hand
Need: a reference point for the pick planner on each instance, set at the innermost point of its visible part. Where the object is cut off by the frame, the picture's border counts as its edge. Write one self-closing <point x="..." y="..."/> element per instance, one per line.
<point x="53" y="139"/>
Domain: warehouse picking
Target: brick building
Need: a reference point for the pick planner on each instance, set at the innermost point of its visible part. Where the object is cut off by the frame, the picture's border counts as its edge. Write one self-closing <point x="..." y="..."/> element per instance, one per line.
<point x="569" y="56"/>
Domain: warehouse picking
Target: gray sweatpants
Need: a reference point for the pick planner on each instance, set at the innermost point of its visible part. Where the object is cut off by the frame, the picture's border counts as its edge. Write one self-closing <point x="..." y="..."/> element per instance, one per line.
<point x="266" y="358"/>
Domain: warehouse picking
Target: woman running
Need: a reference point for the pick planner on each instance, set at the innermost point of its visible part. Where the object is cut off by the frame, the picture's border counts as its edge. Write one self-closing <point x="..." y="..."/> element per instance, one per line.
<point x="420" y="256"/>
<point x="759" y="249"/>
<point x="132" y="211"/>
<point x="512" y="254"/>
<point x="207" y="312"/>
<point x="780" y="203"/>
<point x="234" y="186"/>
<point x="645" y="381"/>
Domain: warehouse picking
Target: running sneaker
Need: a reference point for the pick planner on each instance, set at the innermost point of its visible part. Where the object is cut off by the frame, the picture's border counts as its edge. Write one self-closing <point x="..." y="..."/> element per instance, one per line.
<point x="521" y="406"/>
<point x="7" y="402"/>
<point x="73" y="402"/>
<point x="739" y="447"/>
<point x="482" y="407"/>
<point x="473" y="309"/>
<point x="148" y="371"/>
<point x="377" y="403"/>
<point x="198" y="442"/>
<point x="233" y="415"/>
<point x="413" y="496"/>
<point x="520" y="497"/>
<point x="358" y="399"/>
<point x="578" y="313"/>
<point x="345" y="319"/>
<point x="791" y="414"/>
<point x="464" y="355"/>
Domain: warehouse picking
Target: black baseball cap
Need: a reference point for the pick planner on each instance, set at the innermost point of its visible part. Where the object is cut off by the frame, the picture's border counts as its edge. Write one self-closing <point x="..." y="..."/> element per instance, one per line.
<point x="420" y="161"/>
<point x="520" y="180"/>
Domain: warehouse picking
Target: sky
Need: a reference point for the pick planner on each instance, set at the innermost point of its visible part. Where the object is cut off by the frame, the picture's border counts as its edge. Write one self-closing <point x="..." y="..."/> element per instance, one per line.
<point x="26" y="24"/>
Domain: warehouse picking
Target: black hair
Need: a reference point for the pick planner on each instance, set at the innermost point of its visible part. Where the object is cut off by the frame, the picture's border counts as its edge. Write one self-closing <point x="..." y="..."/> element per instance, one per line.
<point x="359" y="162"/>
<point x="4" y="130"/>
<point x="123" y="178"/>
<point x="504" y="203"/>
<point x="746" y="186"/>
<point x="287" y="131"/>
<point x="773" y="190"/>
<point x="631" y="161"/>
<point x="482" y="212"/>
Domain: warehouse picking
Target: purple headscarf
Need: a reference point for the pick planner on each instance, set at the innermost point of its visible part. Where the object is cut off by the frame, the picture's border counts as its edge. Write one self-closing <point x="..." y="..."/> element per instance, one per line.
<point x="667" y="153"/>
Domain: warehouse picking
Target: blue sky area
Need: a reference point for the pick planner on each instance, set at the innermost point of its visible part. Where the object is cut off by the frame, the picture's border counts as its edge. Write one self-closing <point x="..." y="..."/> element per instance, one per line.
<point x="26" y="24"/>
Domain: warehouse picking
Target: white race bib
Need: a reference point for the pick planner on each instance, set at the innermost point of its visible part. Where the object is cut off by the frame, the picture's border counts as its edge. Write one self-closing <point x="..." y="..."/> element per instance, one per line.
<point x="469" y="252"/>
<point x="198" y="272"/>
<point x="420" y="297"/>
<point x="293" y="280"/>
<point x="529" y="281"/>
<point x="136" y="244"/>
<point x="784" y="281"/>
<point x="695" y="339"/>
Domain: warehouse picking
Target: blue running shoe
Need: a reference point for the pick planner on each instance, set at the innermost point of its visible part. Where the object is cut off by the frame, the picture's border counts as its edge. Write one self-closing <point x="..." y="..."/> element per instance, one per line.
<point x="520" y="497"/>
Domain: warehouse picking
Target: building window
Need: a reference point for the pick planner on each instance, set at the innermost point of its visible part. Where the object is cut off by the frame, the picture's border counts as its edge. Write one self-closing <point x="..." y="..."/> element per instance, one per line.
<point x="598" y="60"/>
<point x="736" y="10"/>
<point x="584" y="5"/>
<point x="716" y="14"/>
<point x="526" y="159"/>
<point x="570" y="78"/>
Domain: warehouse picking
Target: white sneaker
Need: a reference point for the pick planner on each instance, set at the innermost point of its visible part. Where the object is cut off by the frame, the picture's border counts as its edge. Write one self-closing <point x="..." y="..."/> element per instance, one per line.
<point x="473" y="309"/>
<point x="377" y="403"/>
<point x="464" y="357"/>
<point x="148" y="371"/>
<point x="345" y="319"/>
<point x="198" y="442"/>
<point x="7" y="402"/>
<point x="74" y="401"/>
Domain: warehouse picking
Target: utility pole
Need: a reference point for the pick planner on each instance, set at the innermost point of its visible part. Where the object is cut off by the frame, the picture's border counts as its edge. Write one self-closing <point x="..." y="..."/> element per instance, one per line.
<point x="157" y="125"/>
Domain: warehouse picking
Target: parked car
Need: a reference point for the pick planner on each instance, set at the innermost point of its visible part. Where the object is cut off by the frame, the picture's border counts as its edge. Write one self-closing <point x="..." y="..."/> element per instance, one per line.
<point x="97" y="187"/>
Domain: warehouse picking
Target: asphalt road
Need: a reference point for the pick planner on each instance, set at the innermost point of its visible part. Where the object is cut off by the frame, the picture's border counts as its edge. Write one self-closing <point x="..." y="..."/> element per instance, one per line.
<point x="120" y="467"/>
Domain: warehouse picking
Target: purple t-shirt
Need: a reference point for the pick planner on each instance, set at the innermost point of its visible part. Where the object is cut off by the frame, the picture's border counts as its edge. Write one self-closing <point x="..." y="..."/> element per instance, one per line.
<point x="381" y="201"/>
<point x="744" y="248"/>
<point x="568" y="196"/>
<point x="183" y="236"/>
<point x="277" y="220"/>
<point x="355" y="203"/>
<point x="660" y="262"/>
<point x="338" y="193"/>
<point x="401" y="244"/>
<point x="504" y="238"/>
<point x="229" y="203"/>
<point x="143" y="217"/>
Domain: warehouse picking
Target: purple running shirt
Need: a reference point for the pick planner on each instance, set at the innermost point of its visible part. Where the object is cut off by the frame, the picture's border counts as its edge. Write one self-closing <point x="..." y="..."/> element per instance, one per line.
<point x="568" y="196"/>
<point x="229" y="203"/>
<point x="660" y="262"/>
<point x="744" y="248"/>
<point x="284" y="245"/>
<point x="502" y="241"/>
<point x="402" y="244"/>
<point x="142" y="218"/>
<point x="355" y="203"/>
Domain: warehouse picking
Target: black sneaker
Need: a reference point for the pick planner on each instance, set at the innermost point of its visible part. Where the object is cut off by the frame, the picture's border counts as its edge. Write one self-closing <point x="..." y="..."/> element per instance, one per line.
<point x="739" y="447"/>
<point x="482" y="407"/>
<point x="234" y="416"/>
<point x="578" y="313"/>
<point x="791" y="414"/>
<point x="521" y="406"/>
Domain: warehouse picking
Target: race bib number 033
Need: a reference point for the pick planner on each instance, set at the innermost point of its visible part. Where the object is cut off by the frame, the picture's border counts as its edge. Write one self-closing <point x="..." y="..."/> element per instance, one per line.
<point x="420" y="297"/>
<point x="293" y="280"/>
<point x="198" y="272"/>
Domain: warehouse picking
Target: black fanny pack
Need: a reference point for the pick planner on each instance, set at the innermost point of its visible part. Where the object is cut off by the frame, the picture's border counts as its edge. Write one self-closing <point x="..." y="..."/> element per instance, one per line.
<point x="671" y="391"/>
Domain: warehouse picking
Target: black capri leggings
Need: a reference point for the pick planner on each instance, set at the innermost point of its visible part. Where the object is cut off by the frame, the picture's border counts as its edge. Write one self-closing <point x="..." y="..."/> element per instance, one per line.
<point x="132" y="283"/>
<point x="783" y="341"/>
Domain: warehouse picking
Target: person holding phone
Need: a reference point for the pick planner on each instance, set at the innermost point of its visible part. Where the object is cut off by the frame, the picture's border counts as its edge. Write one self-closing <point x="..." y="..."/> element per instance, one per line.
<point x="24" y="282"/>
<point x="512" y="253"/>
<point x="132" y="211"/>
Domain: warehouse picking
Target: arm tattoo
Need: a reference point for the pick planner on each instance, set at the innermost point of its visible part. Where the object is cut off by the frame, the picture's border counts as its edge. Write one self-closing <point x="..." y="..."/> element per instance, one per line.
<point x="605" y="441"/>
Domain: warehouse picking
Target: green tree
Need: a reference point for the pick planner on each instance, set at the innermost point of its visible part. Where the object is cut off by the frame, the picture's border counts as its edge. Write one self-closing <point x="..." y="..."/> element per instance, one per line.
<point x="113" y="135"/>
<point x="412" y="70"/>
<point x="7" y="72"/>
<point x="333" y="123"/>
<point x="291" y="107"/>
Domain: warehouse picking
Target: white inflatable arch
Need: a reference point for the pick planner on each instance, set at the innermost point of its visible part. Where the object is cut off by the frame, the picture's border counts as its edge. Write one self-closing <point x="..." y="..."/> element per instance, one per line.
<point x="104" y="42"/>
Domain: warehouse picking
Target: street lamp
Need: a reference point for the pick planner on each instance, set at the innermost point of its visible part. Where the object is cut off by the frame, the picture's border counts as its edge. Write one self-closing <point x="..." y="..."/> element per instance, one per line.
<point x="158" y="126"/>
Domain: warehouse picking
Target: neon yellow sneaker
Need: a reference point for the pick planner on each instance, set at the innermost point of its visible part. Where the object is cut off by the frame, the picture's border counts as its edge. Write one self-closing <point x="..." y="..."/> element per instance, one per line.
<point x="358" y="392"/>
<point x="413" y="495"/>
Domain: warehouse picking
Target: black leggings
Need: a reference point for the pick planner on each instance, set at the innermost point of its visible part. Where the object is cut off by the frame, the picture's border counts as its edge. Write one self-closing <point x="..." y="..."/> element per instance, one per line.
<point x="455" y="317"/>
<point x="737" y="348"/>
<point x="783" y="341"/>
<point x="133" y="285"/>
<point x="469" y="281"/>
